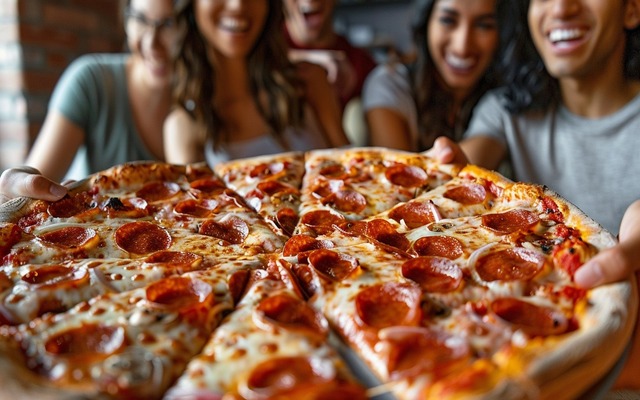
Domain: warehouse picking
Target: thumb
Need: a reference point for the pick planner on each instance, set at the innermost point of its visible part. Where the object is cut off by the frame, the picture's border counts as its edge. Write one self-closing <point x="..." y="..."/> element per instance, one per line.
<point x="610" y="265"/>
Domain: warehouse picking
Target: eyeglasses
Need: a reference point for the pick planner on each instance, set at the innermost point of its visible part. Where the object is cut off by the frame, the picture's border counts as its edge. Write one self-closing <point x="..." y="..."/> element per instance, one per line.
<point x="139" y="25"/>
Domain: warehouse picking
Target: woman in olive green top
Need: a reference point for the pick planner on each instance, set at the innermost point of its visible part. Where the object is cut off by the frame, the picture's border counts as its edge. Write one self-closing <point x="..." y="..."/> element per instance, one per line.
<point x="109" y="106"/>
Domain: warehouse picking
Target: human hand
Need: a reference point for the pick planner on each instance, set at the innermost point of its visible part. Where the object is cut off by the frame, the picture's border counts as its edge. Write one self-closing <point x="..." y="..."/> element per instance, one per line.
<point x="618" y="262"/>
<point x="28" y="182"/>
<point x="447" y="151"/>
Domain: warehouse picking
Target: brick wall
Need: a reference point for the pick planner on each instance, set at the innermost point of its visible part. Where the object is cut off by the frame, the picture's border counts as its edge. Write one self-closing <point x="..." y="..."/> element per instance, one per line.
<point x="38" y="39"/>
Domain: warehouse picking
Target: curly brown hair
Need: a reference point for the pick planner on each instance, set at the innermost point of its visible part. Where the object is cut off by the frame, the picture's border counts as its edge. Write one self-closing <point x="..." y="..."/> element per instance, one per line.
<point x="273" y="80"/>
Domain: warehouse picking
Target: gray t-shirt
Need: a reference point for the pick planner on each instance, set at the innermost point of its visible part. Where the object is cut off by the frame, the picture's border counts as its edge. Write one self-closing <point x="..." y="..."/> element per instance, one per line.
<point x="93" y="94"/>
<point x="388" y="86"/>
<point x="591" y="162"/>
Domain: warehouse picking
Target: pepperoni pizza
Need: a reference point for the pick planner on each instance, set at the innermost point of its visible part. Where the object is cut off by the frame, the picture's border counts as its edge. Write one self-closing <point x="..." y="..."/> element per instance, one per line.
<point x="331" y="274"/>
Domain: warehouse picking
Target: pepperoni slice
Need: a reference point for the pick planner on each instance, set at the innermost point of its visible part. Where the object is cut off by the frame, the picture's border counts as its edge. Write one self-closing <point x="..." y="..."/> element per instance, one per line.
<point x="71" y="205"/>
<point x="439" y="246"/>
<point x="336" y="266"/>
<point x="333" y="171"/>
<point x="515" y="264"/>
<point x="282" y="375"/>
<point x="389" y="304"/>
<point x="178" y="259"/>
<point x="198" y="208"/>
<point x="302" y="243"/>
<point x="293" y="314"/>
<point x="467" y="194"/>
<point x="69" y="237"/>
<point x="208" y="185"/>
<point x="179" y="292"/>
<point x="287" y="220"/>
<point x="156" y="191"/>
<point x="406" y="175"/>
<point x="346" y="201"/>
<point x="384" y="232"/>
<point x="322" y="221"/>
<point x="10" y="234"/>
<point x="433" y="274"/>
<point x="142" y="237"/>
<point x="232" y="230"/>
<point x="5" y="282"/>
<point x="87" y="342"/>
<point x="530" y="318"/>
<point x="266" y="170"/>
<point x="510" y="221"/>
<point x="237" y="283"/>
<point x="272" y="187"/>
<point x="56" y="276"/>
<point x="414" y="214"/>
<point x="413" y="351"/>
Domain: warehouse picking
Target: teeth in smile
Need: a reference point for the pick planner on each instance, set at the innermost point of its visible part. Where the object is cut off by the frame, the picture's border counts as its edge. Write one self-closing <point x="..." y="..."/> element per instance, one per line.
<point x="559" y="35"/>
<point x="234" y="24"/>
<point x="458" y="62"/>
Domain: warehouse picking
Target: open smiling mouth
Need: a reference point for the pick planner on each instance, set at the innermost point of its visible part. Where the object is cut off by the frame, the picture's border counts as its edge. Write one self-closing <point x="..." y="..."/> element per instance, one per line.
<point x="559" y="36"/>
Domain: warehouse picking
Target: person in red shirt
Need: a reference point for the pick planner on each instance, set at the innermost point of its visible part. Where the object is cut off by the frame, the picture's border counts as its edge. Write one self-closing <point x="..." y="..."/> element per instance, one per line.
<point x="311" y="37"/>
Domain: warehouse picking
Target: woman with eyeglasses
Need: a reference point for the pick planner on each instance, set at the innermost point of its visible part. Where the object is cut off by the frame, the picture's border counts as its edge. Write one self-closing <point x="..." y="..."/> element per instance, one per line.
<point x="109" y="106"/>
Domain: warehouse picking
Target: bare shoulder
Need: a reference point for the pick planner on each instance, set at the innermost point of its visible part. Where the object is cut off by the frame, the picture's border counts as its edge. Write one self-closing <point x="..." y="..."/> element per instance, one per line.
<point x="179" y="120"/>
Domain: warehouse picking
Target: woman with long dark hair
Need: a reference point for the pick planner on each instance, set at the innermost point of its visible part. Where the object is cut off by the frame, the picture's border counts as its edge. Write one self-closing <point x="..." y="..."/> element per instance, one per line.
<point x="456" y="43"/>
<point x="237" y="94"/>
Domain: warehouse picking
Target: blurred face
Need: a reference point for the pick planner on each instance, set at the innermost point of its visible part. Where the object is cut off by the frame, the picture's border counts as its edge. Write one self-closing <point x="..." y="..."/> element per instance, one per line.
<point x="309" y="22"/>
<point x="576" y="38"/>
<point x="153" y="37"/>
<point x="462" y="36"/>
<point x="231" y="28"/>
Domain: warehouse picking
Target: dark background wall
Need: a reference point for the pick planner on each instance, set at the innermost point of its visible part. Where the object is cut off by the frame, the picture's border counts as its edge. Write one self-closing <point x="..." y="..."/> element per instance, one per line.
<point x="38" y="39"/>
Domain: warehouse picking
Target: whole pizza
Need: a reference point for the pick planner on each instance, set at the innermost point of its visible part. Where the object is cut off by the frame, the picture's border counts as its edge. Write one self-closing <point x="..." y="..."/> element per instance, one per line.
<point x="332" y="274"/>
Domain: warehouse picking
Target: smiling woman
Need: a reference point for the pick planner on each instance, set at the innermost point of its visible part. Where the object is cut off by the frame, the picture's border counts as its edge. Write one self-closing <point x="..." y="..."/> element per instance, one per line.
<point x="457" y="43"/>
<point x="110" y="105"/>
<point x="237" y="93"/>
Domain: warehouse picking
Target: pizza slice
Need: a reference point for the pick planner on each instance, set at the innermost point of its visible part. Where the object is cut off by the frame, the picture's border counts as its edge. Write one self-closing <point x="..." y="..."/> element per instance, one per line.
<point x="270" y="184"/>
<point x="132" y="344"/>
<point x="355" y="183"/>
<point x="272" y="346"/>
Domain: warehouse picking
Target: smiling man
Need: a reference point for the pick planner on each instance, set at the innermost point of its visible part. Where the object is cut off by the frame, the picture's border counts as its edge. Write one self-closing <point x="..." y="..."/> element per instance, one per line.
<point x="311" y="37"/>
<point x="570" y="119"/>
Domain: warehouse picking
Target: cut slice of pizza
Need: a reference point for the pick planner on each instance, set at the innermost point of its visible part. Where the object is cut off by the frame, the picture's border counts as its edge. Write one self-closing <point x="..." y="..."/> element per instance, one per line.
<point x="270" y="184"/>
<point x="32" y="290"/>
<point x="355" y="183"/>
<point x="273" y="346"/>
<point x="132" y="344"/>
